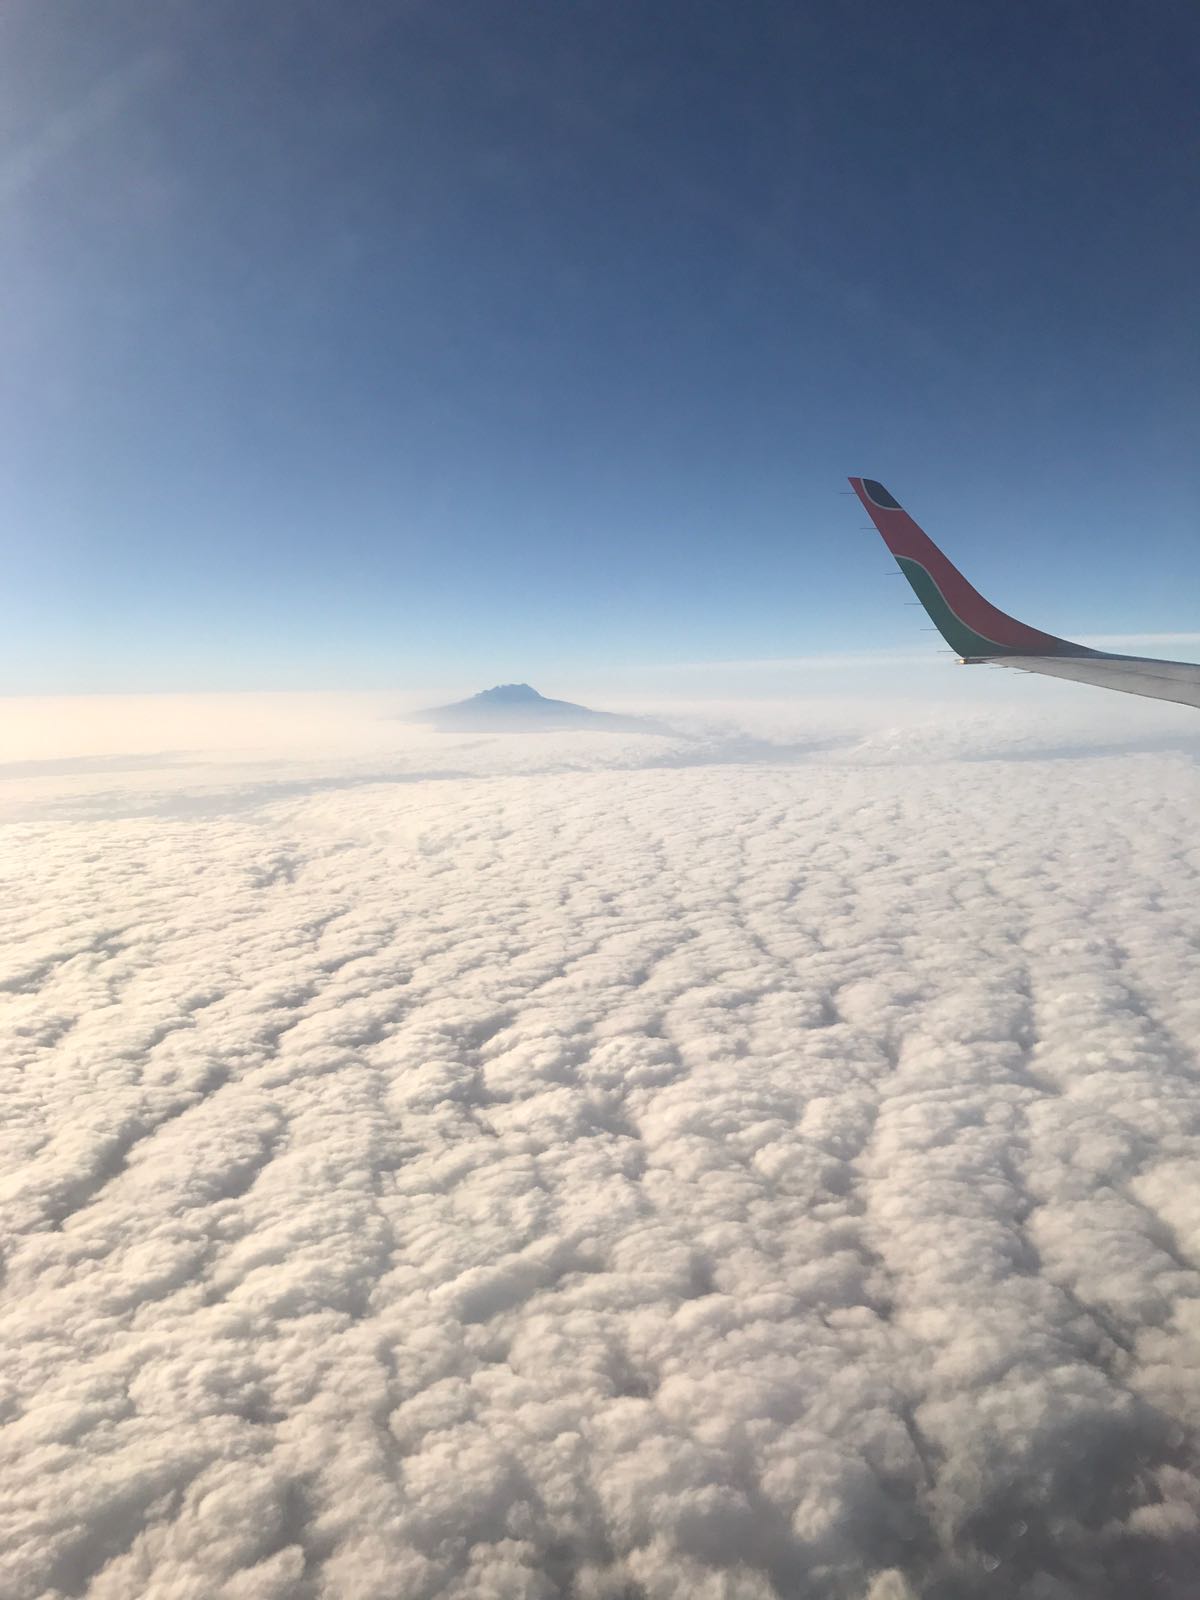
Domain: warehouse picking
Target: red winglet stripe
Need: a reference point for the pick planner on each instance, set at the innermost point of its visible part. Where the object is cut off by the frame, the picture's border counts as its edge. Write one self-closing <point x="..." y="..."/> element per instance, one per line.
<point x="904" y="538"/>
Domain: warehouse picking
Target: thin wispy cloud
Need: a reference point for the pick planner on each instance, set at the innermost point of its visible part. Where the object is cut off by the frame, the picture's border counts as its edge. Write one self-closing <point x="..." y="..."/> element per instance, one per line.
<point x="1116" y="639"/>
<point x="830" y="660"/>
<point x="928" y="655"/>
<point x="71" y="127"/>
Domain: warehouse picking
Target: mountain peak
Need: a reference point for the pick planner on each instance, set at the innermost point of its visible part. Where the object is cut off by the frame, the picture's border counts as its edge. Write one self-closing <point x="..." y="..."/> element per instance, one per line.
<point x="508" y="694"/>
<point x="518" y="707"/>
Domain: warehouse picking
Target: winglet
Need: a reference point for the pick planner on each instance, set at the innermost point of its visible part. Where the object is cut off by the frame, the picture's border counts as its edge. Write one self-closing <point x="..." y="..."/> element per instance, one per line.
<point x="973" y="628"/>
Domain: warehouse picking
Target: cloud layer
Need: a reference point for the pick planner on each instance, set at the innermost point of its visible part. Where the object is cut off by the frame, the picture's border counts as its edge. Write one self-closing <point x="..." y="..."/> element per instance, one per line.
<point x="672" y="1179"/>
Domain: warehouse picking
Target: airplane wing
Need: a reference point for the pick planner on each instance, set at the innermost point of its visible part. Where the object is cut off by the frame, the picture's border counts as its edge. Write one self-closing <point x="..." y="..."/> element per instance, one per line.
<point x="977" y="632"/>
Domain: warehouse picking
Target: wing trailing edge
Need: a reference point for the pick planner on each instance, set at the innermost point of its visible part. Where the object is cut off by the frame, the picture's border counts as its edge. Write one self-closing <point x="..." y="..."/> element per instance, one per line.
<point x="978" y="631"/>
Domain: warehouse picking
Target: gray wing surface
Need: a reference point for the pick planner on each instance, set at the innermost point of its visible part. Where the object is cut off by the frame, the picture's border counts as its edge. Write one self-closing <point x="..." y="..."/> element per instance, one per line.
<point x="1160" y="680"/>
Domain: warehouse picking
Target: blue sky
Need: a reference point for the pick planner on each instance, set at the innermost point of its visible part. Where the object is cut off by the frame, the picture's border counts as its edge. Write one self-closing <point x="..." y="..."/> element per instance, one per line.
<point x="347" y="345"/>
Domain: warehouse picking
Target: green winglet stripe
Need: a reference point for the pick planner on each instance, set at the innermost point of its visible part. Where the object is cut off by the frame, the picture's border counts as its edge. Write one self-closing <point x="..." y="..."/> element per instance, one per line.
<point x="962" y="640"/>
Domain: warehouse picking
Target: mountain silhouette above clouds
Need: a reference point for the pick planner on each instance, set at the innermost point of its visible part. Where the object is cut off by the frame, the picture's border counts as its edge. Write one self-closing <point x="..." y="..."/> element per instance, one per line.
<point x="519" y="708"/>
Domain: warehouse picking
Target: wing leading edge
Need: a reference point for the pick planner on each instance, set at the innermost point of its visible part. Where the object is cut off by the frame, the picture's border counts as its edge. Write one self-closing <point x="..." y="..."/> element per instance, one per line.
<point x="978" y="632"/>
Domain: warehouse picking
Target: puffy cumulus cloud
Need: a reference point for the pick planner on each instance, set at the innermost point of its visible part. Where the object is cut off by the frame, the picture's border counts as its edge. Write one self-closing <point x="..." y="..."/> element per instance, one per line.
<point x="722" y="1177"/>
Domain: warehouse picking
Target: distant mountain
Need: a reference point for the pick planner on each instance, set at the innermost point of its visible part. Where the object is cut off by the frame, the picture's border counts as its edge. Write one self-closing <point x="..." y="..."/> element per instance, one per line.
<point x="517" y="708"/>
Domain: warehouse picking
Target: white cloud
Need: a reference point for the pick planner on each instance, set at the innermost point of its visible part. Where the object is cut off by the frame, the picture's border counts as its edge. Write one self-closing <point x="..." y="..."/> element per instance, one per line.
<point x="742" y="1165"/>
